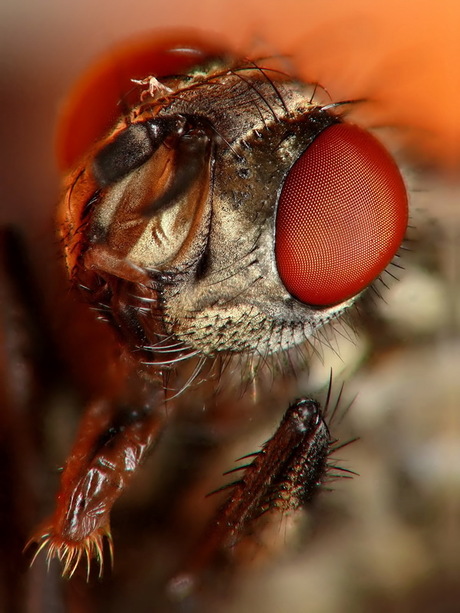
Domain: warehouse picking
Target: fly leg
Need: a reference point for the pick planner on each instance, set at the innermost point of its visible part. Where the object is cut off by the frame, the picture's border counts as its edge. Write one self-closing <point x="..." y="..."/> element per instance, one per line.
<point x="112" y="442"/>
<point x="281" y="478"/>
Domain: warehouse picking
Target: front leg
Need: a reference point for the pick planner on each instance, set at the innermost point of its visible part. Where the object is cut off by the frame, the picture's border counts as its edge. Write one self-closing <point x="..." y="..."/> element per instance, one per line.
<point x="112" y="442"/>
<point x="283" y="477"/>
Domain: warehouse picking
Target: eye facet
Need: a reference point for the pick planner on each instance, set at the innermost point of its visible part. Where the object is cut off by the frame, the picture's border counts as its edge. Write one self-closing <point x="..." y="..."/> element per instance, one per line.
<point x="341" y="217"/>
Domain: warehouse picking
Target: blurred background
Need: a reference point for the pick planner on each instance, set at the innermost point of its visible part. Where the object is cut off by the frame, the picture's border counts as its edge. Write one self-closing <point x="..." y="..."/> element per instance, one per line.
<point x="388" y="540"/>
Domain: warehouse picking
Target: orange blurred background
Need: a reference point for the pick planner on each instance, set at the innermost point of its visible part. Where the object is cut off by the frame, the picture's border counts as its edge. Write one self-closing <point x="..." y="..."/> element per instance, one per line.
<point x="403" y="54"/>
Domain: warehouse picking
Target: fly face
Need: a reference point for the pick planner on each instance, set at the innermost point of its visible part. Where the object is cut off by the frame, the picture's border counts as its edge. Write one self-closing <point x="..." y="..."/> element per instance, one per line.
<point x="227" y="212"/>
<point x="248" y="213"/>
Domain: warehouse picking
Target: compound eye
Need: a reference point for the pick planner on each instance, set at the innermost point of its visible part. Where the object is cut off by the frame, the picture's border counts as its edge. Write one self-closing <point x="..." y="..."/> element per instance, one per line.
<point x="103" y="91"/>
<point x="342" y="215"/>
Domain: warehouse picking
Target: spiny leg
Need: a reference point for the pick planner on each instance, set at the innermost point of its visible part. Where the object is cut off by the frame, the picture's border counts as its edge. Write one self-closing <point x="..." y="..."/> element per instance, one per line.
<point x="283" y="477"/>
<point x="112" y="442"/>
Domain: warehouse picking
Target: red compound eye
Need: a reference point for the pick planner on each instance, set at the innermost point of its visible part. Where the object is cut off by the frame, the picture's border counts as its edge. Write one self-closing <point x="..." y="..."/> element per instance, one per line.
<point x="94" y="103"/>
<point x="342" y="215"/>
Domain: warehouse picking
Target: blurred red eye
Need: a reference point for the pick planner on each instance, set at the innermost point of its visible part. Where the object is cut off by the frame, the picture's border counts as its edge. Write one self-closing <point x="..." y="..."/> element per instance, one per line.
<point x="94" y="103"/>
<point x="342" y="215"/>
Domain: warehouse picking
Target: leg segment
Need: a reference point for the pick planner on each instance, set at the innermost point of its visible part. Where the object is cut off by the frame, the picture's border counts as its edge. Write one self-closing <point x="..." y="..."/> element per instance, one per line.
<point x="111" y="444"/>
<point x="284" y="476"/>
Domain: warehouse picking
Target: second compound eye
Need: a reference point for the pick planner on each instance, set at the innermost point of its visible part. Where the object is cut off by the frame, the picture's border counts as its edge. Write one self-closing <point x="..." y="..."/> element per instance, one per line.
<point x="342" y="215"/>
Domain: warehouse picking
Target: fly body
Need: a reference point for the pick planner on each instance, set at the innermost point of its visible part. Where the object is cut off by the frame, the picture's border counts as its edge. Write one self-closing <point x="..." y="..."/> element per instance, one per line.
<point x="226" y="212"/>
